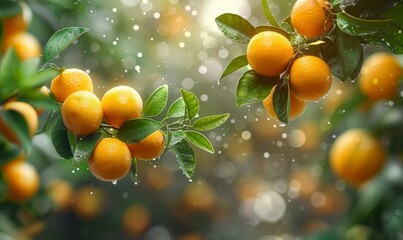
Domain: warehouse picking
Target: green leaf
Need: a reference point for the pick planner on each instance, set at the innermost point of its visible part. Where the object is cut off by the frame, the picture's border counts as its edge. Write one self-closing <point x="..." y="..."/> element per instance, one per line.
<point x="191" y="103"/>
<point x="39" y="79"/>
<point x="177" y="109"/>
<point x="286" y="25"/>
<point x="9" y="8"/>
<point x="8" y="73"/>
<point x="281" y="101"/>
<point x="370" y="197"/>
<point x="135" y="130"/>
<point x="395" y="14"/>
<point x="335" y="2"/>
<point x="60" y="40"/>
<point x="173" y="137"/>
<point x="343" y="54"/>
<point x="84" y="147"/>
<point x="253" y="88"/>
<point x="269" y="15"/>
<point x="210" y="122"/>
<point x="185" y="156"/>
<point x="199" y="140"/>
<point x="377" y="32"/>
<point x="133" y="171"/>
<point x="17" y="124"/>
<point x="28" y="68"/>
<point x="235" y="27"/>
<point x="60" y="138"/>
<point x="156" y="103"/>
<point x="360" y="27"/>
<point x="391" y="38"/>
<point x="368" y="9"/>
<point x="234" y="65"/>
<point x="9" y="150"/>
<point x="350" y="55"/>
<point x="38" y="100"/>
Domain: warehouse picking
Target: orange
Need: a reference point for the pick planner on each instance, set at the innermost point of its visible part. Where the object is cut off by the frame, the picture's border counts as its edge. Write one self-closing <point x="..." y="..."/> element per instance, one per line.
<point x="380" y="76"/>
<point x="29" y="114"/>
<point x="149" y="148"/>
<point x="111" y="160"/>
<point x="25" y="44"/>
<point x="310" y="78"/>
<point x="311" y="18"/>
<point x="269" y="53"/>
<point x="88" y="202"/>
<point x="82" y="113"/>
<point x="120" y="104"/>
<point x="18" y="23"/>
<point x="136" y="219"/>
<point x="22" y="180"/>
<point x="70" y="81"/>
<point x="61" y="193"/>
<point x="297" y="106"/>
<point x="356" y="156"/>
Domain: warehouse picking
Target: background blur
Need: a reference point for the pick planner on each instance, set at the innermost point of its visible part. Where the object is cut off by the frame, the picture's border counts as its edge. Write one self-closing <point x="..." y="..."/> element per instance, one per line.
<point x="266" y="181"/>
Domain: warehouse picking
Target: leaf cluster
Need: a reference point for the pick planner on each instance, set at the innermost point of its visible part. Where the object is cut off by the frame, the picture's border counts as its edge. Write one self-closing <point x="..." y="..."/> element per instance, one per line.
<point x="181" y="124"/>
<point x="21" y="80"/>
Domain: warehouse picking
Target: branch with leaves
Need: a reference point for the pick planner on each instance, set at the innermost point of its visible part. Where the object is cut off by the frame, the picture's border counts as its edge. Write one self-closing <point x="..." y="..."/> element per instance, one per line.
<point x="20" y="80"/>
<point x="356" y="23"/>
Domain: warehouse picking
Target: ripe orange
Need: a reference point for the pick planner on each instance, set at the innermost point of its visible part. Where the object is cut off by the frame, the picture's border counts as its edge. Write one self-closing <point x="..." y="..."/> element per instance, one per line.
<point x="25" y="44"/>
<point x="136" y="219"/>
<point x="18" y="23"/>
<point x="82" y="113"/>
<point x="297" y="106"/>
<point x="88" y="202"/>
<point x="356" y="156"/>
<point x="29" y="114"/>
<point x="380" y="76"/>
<point x="111" y="160"/>
<point x="22" y="180"/>
<point x="311" y="18"/>
<point x="120" y="104"/>
<point x="269" y="53"/>
<point x="149" y="148"/>
<point x="70" y="81"/>
<point x="61" y="193"/>
<point x="310" y="78"/>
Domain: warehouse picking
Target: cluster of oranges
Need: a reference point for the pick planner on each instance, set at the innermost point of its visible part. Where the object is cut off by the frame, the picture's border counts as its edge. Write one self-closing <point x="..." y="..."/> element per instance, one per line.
<point x="357" y="155"/>
<point x="271" y="54"/>
<point x="83" y="113"/>
<point x="21" y="177"/>
<point x="16" y="35"/>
